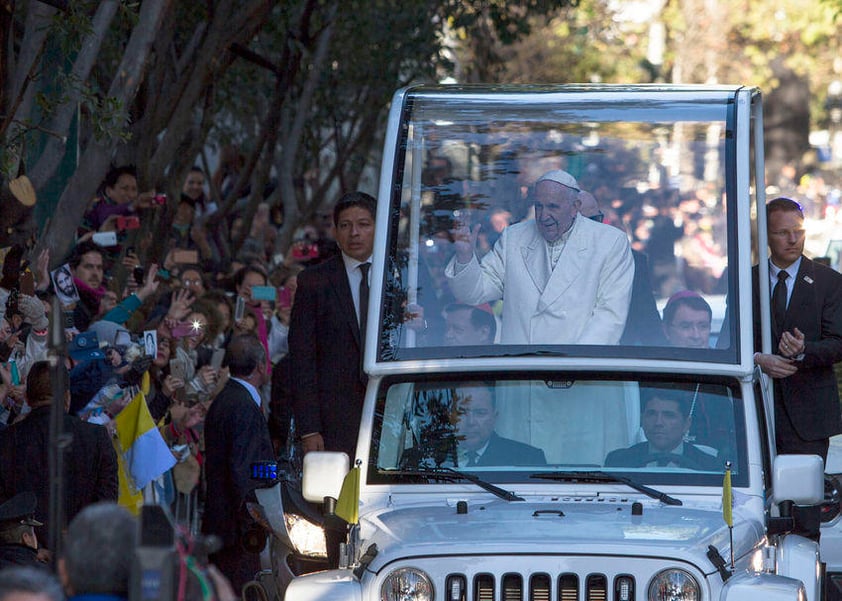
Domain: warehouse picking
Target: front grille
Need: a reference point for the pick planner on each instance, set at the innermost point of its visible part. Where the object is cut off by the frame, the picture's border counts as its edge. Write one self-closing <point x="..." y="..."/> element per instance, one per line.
<point x="539" y="587"/>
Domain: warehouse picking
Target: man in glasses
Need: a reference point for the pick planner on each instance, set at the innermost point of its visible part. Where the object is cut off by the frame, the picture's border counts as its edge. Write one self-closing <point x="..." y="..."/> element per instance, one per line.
<point x="564" y="279"/>
<point x="643" y="325"/>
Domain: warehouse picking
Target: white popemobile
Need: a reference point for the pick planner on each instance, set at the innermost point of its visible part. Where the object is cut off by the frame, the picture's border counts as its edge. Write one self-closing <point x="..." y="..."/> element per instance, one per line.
<point x="563" y="471"/>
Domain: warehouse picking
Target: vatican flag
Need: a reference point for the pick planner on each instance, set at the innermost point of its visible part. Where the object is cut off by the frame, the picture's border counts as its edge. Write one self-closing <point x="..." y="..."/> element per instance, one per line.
<point x="348" y="504"/>
<point x="727" y="498"/>
<point x="142" y="448"/>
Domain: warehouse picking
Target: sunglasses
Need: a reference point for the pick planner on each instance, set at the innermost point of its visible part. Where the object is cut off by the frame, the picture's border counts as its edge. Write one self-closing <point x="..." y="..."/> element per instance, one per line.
<point x="599" y="217"/>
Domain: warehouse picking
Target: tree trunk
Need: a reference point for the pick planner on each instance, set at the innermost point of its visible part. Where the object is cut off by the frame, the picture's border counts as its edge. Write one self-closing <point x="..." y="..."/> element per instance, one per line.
<point x="60" y="232"/>
<point x="54" y="150"/>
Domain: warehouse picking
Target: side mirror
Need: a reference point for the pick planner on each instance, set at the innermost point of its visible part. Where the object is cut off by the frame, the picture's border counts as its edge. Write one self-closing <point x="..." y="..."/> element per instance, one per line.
<point x="324" y="472"/>
<point x="799" y="479"/>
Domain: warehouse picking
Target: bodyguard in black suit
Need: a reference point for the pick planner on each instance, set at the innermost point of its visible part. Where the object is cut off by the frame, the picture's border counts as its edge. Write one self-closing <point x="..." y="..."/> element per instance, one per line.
<point x="806" y="336"/>
<point x="236" y="435"/>
<point x="665" y="419"/>
<point x="325" y="340"/>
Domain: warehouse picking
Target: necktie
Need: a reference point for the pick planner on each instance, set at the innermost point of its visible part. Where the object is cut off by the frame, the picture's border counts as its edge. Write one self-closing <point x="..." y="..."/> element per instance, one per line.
<point x="364" y="267"/>
<point x="779" y="300"/>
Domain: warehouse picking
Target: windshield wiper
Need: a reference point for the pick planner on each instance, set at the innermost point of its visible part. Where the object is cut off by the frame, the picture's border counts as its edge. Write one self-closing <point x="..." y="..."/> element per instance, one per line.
<point x="448" y="473"/>
<point x="608" y="477"/>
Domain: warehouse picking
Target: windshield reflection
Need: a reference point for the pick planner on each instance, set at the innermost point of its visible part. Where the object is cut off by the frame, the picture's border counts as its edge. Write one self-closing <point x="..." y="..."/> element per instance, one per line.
<point x="572" y="234"/>
<point x="516" y="426"/>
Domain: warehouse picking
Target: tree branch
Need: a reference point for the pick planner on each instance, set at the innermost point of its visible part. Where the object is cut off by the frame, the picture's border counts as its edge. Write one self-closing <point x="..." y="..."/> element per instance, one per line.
<point x="253" y="57"/>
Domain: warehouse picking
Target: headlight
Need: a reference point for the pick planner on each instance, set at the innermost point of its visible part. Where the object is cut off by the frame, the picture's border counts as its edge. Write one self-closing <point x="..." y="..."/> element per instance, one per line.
<point x="407" y="584"/>
<point x="307" y="537"/>
<point x="673" y="585"/>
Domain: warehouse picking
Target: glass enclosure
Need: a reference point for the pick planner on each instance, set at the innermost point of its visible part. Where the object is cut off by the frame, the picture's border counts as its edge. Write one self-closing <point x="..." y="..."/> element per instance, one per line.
<point x="658" y="429"/>
<point x="652" y="238"/>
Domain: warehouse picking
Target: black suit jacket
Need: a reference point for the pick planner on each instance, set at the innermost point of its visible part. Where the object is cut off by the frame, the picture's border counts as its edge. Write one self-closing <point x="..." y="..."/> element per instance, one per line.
<point x="505" y="451"/>
<point x="500" y="451"/>
<point x="324" y="347"/>
<point x="236" y="435"/>
<point x="643" y="324"/>
<point x="638" y="456"/>
<point x="810" y="397"/>
<point x="90" y="464"/>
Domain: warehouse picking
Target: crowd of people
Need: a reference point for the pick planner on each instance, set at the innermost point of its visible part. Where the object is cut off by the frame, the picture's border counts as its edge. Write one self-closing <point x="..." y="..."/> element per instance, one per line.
<point x="240" y="358"/>
<point x="201" y="334"/>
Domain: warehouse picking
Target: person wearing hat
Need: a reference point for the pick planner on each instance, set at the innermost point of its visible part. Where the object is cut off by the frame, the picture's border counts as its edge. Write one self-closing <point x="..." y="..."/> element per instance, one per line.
<point x="18" y="542"/>
<point x="563" y="278"/>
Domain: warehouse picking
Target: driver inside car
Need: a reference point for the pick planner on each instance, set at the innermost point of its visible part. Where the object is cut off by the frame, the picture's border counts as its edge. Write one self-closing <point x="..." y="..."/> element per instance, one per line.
<point x="472" y="440"/>
<point x="666" y="420"/>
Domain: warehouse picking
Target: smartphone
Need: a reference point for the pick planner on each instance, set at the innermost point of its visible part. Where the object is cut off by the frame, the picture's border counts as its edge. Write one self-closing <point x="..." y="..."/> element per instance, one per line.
<point x="138" y="274"/>
<point x="105" y="238"/>
<point x="240" y="308"/>
<point x="13" y="367"/>
<point x="185" y="257"/>
<point x="128" y="222"/>
<point x="263" y="293"/>
<point x="284" y="298"/>
<point x="177" y="368"/>
<point x="217" y="358"/>
<point x="27" y="283"/>
<point x="183" y="329"/>
<point x="122" y="338"/>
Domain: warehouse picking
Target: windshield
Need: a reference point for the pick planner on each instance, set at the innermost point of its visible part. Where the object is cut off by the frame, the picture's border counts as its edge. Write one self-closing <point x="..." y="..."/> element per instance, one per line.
<point x="508" y="430"/>
<point x="584" y="229"/>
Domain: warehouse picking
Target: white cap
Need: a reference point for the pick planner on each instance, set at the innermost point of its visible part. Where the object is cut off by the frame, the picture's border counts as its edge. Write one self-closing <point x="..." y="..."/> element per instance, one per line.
<point x="560" y="177"/>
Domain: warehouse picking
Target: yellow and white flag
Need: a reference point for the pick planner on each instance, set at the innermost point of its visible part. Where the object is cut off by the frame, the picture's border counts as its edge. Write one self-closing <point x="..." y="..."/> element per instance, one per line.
<point x="348" y="503"/>
<point x="143" y="449"/>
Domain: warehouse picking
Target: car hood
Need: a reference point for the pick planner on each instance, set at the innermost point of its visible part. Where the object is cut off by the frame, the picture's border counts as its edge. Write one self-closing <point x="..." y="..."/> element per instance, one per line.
<point x="556" y="527"/>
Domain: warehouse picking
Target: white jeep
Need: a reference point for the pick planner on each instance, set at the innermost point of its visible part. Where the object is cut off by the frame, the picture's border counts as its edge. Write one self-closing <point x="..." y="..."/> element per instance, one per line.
<point x="504" y="472"/>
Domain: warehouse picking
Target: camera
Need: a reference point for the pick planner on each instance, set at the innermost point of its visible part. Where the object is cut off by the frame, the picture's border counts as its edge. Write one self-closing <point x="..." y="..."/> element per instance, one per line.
<point x="160" y="199"/>
<point x="127" y="222"/>
<point x="305" y="251"/>
<point x="159" y="569"/>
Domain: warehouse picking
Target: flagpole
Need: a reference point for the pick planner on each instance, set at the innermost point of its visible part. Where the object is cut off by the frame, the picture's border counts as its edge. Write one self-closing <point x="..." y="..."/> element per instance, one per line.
<point x="58" y="374"/>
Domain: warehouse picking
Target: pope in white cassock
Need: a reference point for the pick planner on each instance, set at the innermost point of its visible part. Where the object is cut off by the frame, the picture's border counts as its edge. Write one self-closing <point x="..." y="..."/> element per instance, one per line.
<point x="563" y="278"/>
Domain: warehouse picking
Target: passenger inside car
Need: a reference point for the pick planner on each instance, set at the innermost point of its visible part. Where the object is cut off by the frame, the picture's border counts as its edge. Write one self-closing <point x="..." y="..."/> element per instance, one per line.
<point x="665" y="418"/>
